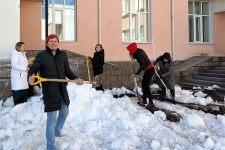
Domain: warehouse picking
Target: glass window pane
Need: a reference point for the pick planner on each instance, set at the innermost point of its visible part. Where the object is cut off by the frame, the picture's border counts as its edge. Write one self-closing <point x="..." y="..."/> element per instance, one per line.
<point x="198" y="28"/>
<point x="58" y="23"/>
<point x="191" y="28"/>
<point x="50" y="23"/>
<point x="144" y="27"/>
<point x="126" y="5"/>
<point x="70" y="3"/>
<point x="205" y="8"/>
<point x="197" y="8"/>
<point x="190" y="7"/>
<point x="134" y="27"/>
<point x="69" y="25"/>
<point x="126" y="28"/>
<point x="143" y="5"/>
<point x="205" y="29"/>
<point x="49" y="2"/>
<point x="134" y="5"/>
<point x="58" y="3"/>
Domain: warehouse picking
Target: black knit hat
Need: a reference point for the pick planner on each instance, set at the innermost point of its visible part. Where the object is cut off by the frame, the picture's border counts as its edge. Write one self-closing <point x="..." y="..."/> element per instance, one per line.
<point x="167" y="56"/>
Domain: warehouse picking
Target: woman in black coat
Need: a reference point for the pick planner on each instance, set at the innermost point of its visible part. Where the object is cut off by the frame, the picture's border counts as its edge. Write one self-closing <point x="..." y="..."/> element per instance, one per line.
<point x="145" y="64"/>
<point x="166" y="73"/>
<point x="98" y="62"/>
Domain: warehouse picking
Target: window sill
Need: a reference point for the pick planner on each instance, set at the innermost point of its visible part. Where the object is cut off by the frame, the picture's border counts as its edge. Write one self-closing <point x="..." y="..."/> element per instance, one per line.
<point x="137" y="42"/>
<point x="201" y="43"/>
<point x="62" y="41"/>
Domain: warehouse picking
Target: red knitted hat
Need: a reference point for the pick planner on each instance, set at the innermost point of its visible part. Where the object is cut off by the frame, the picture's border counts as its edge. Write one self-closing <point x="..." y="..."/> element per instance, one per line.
<point x="51" y="36"/>
<point x="132" y="48"/>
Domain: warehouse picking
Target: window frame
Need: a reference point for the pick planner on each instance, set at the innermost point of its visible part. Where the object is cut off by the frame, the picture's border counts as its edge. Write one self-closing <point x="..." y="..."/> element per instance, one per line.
<point x="201" y="22"/>
<point x="63" y="8"/>
<point x="138" y="24"/>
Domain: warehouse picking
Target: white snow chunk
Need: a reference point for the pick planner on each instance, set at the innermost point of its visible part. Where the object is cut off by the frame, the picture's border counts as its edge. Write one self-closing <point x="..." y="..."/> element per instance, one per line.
<point x="200" y="94"/>
<point x="209" y="144"/>
<point x="154" y="86"/>
<point x="160" y="114"/>
<point x="120" y="144"/>
<point x="221" y="119"/>
<point x="194" y="121"/>
<point x="155" y="144"/>
<point x="9" y="102"/>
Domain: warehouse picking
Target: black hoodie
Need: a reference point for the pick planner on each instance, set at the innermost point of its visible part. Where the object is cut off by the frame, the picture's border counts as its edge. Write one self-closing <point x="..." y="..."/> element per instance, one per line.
<point x="98" y="62"/>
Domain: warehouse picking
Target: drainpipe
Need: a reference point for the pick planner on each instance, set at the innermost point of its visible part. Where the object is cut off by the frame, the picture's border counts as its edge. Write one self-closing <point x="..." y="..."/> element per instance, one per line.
<point x="99" y="22"/>
<point x="172" y="29"/>
<point x="46" y="20"/>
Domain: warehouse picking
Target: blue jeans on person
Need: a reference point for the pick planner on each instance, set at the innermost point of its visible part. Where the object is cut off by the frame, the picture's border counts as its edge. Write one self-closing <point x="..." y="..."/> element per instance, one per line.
<point x="54" y="125"/>
<point x="172" y="91"/>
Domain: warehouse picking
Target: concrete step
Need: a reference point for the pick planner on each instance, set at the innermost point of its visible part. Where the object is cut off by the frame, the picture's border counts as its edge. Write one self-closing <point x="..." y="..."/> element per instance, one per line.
<point x="219" y="91"/>
<point x="212" y="75"/>
<point x="209" y="78"/>
<point x="191" y="85"/>
<point x="209" y="83"/>
<point x="216" y="71"/>
<point x="218" y="68"/>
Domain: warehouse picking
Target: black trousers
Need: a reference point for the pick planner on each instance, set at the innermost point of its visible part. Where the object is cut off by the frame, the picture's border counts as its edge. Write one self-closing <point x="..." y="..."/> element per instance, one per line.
<point x="146" y="84"/>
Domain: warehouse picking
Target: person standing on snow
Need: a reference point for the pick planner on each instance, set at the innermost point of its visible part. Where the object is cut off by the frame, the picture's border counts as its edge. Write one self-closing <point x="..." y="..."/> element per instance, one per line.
<point x="19" y="71"/>
<point x="166" y="73"/>
<point x="53" y="63"/>
<point x="145" y="64"/>
<point x="98" y="62"/>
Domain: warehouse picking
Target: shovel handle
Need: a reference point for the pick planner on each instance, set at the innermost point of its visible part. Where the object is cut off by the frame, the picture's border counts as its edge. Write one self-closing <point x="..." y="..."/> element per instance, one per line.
<point x="58" y="80"/>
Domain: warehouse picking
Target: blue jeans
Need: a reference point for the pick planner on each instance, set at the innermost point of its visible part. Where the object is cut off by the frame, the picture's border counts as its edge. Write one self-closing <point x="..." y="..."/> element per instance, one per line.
<point x="172" y="91"/>
<point x="54" y="125"/>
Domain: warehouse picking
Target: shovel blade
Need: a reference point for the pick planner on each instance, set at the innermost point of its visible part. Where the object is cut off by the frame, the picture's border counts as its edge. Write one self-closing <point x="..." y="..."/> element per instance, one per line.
<point x="97" y="81"/>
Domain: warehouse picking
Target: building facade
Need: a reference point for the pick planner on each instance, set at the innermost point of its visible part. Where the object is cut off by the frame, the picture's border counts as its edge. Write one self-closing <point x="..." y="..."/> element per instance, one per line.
<point x="182" y="27"/>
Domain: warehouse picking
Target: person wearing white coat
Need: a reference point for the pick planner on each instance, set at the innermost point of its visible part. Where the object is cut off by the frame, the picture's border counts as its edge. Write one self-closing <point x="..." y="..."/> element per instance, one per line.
<point x="19" y="83"/>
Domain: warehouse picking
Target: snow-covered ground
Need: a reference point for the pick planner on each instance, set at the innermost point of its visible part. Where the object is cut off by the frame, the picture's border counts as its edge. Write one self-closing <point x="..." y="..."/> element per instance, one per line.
<point x="98" y="121"/>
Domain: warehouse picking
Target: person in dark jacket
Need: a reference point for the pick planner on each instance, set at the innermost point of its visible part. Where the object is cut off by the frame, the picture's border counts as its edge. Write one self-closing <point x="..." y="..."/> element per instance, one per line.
<point x="166" y="73"/>
<point x="53" y="63"/>
<point x="98" y="62"/>
<point x="145" y="64"/>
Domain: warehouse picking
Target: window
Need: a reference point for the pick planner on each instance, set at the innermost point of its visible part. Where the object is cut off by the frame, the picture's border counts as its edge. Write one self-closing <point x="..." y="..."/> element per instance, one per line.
<point x="61" y="19"/>
<point x="135" y="21"/>
<point x="199" y="25"/>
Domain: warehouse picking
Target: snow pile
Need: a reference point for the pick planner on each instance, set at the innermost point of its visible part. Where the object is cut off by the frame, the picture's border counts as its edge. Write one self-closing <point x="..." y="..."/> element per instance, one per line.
<point x="99" y="121"/>
<point x="197" y="88"/>
<point x="212" y="87"/>
<point x="185" y="96"/>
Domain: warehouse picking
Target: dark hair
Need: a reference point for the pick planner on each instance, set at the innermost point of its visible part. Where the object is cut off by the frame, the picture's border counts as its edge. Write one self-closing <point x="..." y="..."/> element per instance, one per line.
<point x="98" y="45"/>
<point x="18" y="45"/>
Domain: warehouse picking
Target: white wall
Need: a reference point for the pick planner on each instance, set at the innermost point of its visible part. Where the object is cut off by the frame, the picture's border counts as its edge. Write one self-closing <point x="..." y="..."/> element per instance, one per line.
<point x="9" y="26"/>
<point x="218" y="6"/>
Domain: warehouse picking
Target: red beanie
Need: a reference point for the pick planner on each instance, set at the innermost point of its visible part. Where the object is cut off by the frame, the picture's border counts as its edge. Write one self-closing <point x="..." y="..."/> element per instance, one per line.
<point x="51" y="36"/>
<point x="132" y="48"/>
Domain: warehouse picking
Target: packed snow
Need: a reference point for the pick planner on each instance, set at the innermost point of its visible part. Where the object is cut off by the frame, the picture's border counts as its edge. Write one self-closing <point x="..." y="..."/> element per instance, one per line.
<point x="98" y="121"/>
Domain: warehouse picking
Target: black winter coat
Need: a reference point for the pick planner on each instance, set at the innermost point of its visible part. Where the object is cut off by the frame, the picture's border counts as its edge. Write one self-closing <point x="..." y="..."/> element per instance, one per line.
<point x="55" y="67"/>
<point x="98" y="62"/>
<point x="142" y="59"/>
<point x="166" y="71"/>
